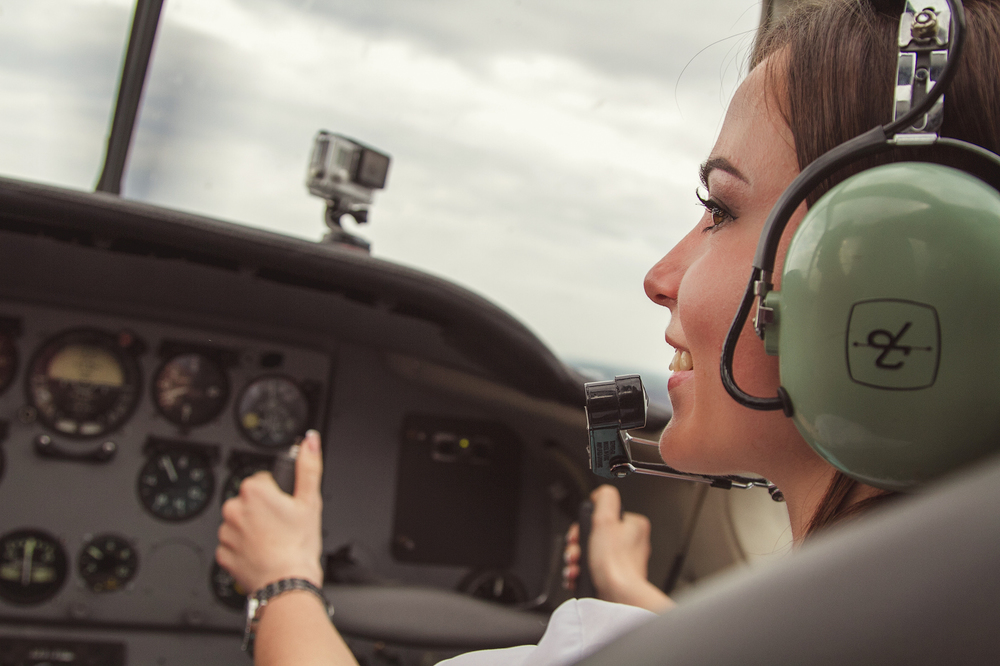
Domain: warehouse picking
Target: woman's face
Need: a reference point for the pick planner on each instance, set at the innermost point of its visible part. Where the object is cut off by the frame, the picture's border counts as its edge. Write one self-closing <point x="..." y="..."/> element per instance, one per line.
<point x="702" y="280"/>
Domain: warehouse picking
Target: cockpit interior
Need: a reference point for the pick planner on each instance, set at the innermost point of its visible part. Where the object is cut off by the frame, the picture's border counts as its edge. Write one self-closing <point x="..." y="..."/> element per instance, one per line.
<point x="150" y="359"/>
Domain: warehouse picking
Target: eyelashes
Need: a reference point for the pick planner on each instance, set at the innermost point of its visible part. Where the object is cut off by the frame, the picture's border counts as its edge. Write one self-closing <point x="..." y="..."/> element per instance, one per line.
<point x="716" y="210"/>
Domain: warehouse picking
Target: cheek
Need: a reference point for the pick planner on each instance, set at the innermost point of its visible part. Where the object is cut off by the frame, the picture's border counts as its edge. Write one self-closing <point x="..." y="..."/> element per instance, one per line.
<point x="708" y="298"/>
<point x="707" y="301"/>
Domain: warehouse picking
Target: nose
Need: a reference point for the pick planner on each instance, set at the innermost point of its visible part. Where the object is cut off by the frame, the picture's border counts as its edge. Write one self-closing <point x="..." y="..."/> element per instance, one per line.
<point x="664" y="278"/>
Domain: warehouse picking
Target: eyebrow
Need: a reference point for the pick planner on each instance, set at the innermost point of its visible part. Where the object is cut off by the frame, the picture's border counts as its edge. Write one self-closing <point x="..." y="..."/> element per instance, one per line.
<point x="722" y="164"/>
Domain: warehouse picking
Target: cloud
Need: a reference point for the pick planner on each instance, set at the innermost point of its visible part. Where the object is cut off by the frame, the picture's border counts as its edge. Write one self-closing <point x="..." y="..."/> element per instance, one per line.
<point x="544" y="152"/>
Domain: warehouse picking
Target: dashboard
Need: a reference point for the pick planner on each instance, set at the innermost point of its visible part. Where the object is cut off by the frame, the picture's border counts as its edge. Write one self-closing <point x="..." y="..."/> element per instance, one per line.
<point x="139" y="431"/>
<point x="150" y="360"/>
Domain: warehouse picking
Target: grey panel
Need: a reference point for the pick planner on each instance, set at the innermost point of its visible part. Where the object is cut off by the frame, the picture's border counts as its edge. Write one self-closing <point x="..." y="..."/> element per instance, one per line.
<point x="916" y="583"/>
<point x="77" y="500"/>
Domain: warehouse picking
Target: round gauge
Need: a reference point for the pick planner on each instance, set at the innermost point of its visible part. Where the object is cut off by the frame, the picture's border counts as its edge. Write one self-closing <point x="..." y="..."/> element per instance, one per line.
<point x="176" y="484"/>
<point x="32" y="567"/>
<point x="232" y="486"/>
<point x="8" y="361"/>
<point x="84" y="383"/>
<point x="190" y="389"/>
<point x="226" y="589"/>
<point x="107" y="562"/>
<point x="272" y="411"/>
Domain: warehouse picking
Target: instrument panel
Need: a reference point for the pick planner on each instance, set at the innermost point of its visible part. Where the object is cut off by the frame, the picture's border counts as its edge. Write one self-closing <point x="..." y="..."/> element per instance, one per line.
<point x="121" y="440"/>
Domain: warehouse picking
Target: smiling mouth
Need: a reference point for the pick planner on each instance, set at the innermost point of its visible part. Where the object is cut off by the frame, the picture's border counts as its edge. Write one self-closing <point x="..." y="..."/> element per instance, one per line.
<point x="681" y="361"/>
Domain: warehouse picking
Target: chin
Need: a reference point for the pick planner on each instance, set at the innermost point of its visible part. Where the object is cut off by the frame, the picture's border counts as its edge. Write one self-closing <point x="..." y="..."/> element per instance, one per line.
<point x="700" y="448"/>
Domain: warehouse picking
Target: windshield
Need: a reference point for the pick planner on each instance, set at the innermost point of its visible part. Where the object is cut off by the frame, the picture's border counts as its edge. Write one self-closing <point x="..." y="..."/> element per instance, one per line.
<point x="544" y="152"/>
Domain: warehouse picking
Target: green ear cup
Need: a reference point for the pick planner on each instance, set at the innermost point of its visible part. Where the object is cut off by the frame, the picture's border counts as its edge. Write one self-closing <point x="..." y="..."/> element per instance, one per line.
<point x="888" y="323"/>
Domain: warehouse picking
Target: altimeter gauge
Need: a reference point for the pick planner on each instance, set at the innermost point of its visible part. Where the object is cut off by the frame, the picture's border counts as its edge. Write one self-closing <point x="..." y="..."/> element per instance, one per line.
<point x="176" y="483"/>
<point x="32" y="566"/>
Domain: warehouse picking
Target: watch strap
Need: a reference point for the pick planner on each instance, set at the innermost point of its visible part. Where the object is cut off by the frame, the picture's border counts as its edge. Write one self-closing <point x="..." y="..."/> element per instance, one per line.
<point x="260" y="598"/>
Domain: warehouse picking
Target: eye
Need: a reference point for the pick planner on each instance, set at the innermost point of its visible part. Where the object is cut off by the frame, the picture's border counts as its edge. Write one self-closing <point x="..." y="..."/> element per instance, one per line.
<point x="720" y="215"/>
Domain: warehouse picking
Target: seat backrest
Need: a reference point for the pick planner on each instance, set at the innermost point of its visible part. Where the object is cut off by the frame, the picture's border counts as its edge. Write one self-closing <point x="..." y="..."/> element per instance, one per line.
<point x="916" y="582"/>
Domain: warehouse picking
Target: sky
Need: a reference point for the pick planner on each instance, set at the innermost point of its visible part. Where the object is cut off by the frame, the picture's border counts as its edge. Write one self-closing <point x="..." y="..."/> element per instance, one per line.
<point x="545" y="152"/>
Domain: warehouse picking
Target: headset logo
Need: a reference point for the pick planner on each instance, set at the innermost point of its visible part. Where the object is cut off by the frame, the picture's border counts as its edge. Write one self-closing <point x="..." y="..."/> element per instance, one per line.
<point x="893" y="344"/>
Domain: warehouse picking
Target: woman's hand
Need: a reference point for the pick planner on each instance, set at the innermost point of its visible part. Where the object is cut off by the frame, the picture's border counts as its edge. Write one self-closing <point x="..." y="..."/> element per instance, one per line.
<point x="267" y="534"/>
<point x="619" y="552"/>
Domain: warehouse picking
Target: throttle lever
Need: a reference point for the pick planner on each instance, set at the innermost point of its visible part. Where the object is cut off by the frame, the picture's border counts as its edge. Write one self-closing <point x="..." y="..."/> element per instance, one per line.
<point x="284" y="469"/>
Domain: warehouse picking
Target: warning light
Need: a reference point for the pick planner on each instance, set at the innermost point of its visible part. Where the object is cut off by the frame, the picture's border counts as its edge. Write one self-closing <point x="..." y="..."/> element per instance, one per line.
<point x="464" y="442"/>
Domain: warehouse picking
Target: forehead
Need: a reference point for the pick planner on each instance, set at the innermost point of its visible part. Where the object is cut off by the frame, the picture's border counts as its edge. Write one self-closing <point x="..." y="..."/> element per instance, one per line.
<point x="755" y="137"/>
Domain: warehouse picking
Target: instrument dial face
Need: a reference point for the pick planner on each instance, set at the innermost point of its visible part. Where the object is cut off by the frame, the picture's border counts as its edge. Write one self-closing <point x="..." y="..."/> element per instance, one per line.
<point x="107" y="563"/>
<point x="272" y="411"/>
<point x="190" y="389"/>
<point x="232" y="486"/>
<point x="226" y="589"/>
<point x="32" y="567"/>
<point x="84" y="383"/>
<point x="176" y="484"/>
<point x="8" y="361"/>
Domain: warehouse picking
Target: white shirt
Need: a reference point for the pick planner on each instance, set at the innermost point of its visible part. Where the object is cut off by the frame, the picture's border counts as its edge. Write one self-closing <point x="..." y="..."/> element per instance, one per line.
<point x="576" y="629"/>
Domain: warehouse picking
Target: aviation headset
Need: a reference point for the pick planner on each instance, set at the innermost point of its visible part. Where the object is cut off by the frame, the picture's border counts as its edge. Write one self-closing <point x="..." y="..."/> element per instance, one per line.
<point x="887" y="319"/>
<point x="889" y="303"/>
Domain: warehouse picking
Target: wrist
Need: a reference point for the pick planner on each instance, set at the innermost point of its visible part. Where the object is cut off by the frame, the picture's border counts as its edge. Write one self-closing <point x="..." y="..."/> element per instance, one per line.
<point x="311" y="572"/>
<point x="287" y="588"/>
<point x="622" y="585"/>
<point x="643" y="594"/>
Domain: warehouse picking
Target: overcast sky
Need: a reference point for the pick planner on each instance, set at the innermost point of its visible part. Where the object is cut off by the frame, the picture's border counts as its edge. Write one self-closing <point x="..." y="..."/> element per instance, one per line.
<point x="544" y="152"/>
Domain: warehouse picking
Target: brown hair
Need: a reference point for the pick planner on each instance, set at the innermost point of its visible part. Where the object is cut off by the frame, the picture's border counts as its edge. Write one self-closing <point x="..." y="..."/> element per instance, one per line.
<point x="840" y="63"/>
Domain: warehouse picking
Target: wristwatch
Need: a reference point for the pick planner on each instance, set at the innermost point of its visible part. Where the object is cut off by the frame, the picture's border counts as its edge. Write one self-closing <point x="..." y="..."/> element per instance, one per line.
<point x="260" y="598"/>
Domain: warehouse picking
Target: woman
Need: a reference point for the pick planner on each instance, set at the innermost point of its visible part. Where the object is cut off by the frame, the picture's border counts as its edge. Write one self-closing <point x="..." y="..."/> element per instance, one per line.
<point x="821" y="60"/>
<point x="821" y="77"/>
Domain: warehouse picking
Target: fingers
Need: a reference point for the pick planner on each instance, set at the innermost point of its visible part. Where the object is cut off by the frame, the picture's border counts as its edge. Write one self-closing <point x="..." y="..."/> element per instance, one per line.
<point x="571" y="573"/>
<point x="308" y="467"/>
<point x="573" y="534"/>
<point x="637" y="524"/>
<point x="571" y="557"/>
<point x="607" y="505"/>
<point x="572" y="554"/>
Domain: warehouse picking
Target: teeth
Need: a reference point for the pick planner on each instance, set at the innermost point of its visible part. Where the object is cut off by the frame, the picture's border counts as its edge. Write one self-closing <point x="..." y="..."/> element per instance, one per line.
<point x="681" y="362"/>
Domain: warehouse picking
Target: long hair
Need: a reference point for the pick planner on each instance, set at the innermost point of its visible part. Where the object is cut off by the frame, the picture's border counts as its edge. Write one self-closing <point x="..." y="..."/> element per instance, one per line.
<point x="837" y="81"/>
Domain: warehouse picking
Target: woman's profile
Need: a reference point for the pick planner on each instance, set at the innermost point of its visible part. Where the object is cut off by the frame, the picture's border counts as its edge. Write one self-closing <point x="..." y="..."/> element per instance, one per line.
<point x="819" y="77"/>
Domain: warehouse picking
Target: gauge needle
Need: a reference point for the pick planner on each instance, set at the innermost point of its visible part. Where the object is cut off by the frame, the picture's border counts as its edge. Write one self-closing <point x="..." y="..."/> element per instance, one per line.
<point x="29" y="552"/>
<point x="168" y="467"/>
